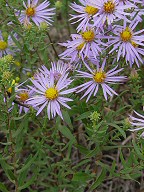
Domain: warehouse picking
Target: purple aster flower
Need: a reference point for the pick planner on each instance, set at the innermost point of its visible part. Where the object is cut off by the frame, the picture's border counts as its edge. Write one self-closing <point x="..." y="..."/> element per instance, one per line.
<point x="83" y="45"/>
<point x="36" y="12"/>
<point x="57" y="69"/>
<point x="109" y="10"/>
<point x="23" y="94"/>
<point x="138" y="123"/>
<point x="50" y="94"/>
<point x="126" y="42"/>
<point x="85" y="14"/>
<point x="99" y="77"/>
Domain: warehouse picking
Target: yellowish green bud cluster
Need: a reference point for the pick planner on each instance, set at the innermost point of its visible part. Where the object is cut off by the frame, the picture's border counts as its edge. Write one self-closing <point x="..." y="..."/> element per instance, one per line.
<point x="6" y="76"/>
<point x="95" y="116"/>
<point x="6" y="60"/>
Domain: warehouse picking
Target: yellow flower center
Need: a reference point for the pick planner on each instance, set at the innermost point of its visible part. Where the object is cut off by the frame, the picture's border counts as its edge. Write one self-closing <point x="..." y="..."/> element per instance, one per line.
<point x="126" y="34"/>
<point x="109" y="7"/>
<point x="3" y="45"/>
<point x="99" y="76"/>
<point x="91" y="10"/>
<point x="51" y="93"/>
<point x="134" y="44"/>
<point x="30" y="11"/>
<point x="88" y="35"/>
<point x="23" y="96"/>
<point x="79" y="47"/>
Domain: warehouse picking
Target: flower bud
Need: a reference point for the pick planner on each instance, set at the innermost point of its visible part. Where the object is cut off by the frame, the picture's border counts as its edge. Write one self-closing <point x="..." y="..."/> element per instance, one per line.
<point x="58" y="4"/>
<point x="17" y="63"/>
<point x="134" y="74"/>
<point x="43" y="26"/>
<point x="95" y="116"/>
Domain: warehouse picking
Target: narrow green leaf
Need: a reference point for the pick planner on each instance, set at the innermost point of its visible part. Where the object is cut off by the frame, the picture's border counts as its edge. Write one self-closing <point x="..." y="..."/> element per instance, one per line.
<point x="28" y="163"/>
<point x="7" y="169"/>
<point x="83" y="116"/>
<point x="83" y="162"/>
<point x="81" y="176"/>
<point x="29" y="182"/>
<point x="19" y="130"/>
<point x="99" y="180"/>
<point x="67" y="119"/>
<point x="8" y="143"/>
<point x="3" y="188"/>
<point x="16" y="41"/>
<point x="83" y="150"/>
<point x="93" y="152"/>
<point x="19" y="118"/>
<point x="67" y="133"/>
<point x="137" y="150"/>
<point x="122" y="159"/>
<point x="118" y="128"/>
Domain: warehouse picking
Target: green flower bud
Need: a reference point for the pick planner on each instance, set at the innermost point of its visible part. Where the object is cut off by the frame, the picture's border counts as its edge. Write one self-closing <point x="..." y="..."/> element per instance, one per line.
<point x="58" y="4"/>
<point x="43" y="26"/>
<point x="126" y="123"/>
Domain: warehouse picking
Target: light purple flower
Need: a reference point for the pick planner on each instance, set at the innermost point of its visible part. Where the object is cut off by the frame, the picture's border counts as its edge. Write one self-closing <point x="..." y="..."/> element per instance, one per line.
<point x="36" y="12"/>
<point x="83" y="45"/>
<point x="126" y="42"/>
<point x="138" y="123"/>
<point x="50" y="95"/>
<point x="98" y="77"/>
<point x="23" y="94"/>
<point x="57" y="69"/>
<point x="109" y="10"/>
<point x="85" y="14"/>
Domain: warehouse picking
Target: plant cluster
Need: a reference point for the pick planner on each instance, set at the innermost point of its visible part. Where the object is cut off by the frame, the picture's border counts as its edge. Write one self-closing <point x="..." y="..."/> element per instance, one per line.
<point x="71" y="95"/>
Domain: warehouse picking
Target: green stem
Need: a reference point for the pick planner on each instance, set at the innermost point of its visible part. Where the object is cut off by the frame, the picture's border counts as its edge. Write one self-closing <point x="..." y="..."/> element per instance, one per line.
<point x="10" y="139"/>
<point x="56" y="54"/>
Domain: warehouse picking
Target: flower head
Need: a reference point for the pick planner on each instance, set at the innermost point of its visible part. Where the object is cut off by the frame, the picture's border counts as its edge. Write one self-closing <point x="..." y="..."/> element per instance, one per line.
<point x="23" y="94"/>
<point x="99" y="77"/>
<point x="126" y="42"/>
<point x="38" y="13"/>
<point x="57" y="69"/>
<point x="85" y="14"/>
<point x="83" y="45"/>
<point x="50" y="94"/>
<point x="109" y="10"/>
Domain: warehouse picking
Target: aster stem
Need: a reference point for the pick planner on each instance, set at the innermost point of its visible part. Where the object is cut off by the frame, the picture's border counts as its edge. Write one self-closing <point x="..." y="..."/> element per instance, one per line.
<point x="56" y="54"/>
<point x="10" y="139"/>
